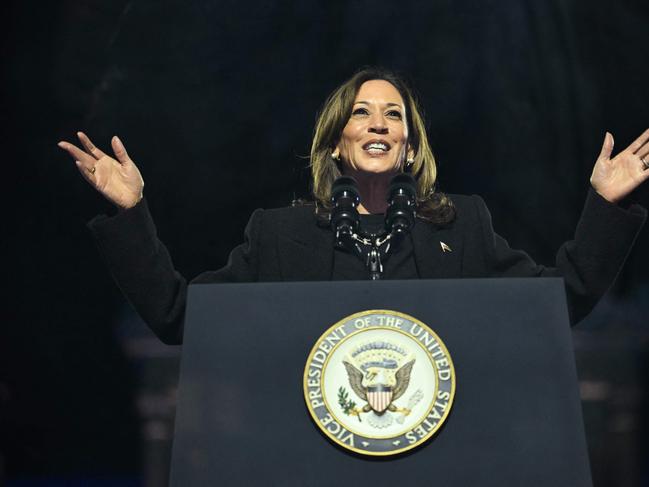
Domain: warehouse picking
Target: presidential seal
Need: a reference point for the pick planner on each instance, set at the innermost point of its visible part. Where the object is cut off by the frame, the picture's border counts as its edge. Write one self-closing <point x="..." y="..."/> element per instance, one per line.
<point x="379" y="382"/>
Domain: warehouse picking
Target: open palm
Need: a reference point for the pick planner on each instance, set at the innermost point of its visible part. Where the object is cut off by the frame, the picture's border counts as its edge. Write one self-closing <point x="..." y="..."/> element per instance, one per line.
<point x="118" y="180"/>
<point x="614" y="178"/>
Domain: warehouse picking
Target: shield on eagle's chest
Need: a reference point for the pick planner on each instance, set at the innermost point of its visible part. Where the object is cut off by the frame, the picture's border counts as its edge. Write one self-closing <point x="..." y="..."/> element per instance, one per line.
<point x="379" y="398"/>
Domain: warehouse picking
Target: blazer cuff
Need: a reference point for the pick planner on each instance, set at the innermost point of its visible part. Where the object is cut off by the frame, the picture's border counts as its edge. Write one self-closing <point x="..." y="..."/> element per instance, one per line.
<point x="124" y="227"/>
<point x="610" y="222"/>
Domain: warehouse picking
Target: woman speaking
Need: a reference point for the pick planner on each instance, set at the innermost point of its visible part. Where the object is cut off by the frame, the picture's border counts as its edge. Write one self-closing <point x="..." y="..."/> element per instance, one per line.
<point x="370" y="129"/>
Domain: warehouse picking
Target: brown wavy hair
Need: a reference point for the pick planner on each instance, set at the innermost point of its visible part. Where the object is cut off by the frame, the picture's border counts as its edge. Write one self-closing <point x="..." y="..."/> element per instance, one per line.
<point x="331" y="120"/>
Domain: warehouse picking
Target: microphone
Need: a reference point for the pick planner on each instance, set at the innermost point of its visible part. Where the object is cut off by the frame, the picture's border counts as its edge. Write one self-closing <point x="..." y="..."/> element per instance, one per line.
<point x="400" y="215"/>
<point x="344" y="200"/>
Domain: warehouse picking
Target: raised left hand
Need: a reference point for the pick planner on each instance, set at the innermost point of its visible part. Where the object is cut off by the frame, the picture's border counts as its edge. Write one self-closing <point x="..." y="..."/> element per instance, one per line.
<point x="615" y="178"/>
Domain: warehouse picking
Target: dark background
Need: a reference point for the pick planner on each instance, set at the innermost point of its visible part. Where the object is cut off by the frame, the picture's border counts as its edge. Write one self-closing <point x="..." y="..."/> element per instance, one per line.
<point x="215" y="101"/>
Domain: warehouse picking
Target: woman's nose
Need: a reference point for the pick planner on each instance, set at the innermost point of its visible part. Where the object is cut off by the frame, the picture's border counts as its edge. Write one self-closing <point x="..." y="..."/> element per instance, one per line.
<point x="378" y="125"/>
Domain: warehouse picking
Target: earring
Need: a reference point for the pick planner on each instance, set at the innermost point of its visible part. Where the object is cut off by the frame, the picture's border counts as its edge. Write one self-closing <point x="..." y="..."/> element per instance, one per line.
<point x="408" y="165"/>
<point x="335" y="155"/>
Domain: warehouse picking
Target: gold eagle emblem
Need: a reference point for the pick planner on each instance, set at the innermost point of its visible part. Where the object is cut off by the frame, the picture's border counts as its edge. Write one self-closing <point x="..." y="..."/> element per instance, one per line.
<point x="379" y="377"/>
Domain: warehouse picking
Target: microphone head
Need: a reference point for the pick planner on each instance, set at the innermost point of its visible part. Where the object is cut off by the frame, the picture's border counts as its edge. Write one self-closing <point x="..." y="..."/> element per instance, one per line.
<point x="402" y="195"/>
<point x="342" y="185"/>
<point x="345" y="197"/>
<point x="404" y="184"/>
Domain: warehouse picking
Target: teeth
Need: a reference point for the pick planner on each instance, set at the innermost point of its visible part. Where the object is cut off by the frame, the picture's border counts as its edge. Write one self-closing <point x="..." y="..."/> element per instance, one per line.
<point x="377" y="146"/>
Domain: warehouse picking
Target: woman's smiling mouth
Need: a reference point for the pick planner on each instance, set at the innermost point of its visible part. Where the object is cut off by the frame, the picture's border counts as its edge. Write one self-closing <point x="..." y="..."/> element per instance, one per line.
<point x="376" y="147"/>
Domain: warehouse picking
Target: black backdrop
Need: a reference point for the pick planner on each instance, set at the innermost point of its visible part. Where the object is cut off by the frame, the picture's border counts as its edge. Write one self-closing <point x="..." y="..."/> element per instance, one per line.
<point x="215" y="101"/>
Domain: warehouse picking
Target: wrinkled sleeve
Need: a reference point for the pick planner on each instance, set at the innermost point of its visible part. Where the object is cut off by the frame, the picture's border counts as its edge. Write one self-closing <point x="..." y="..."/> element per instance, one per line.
<point x="142" y="267"/>
<point x="589" y="263"/>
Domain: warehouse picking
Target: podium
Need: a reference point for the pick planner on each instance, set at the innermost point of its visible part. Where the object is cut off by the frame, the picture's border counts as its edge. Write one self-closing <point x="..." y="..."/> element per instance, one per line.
<point x="515" y="419"/>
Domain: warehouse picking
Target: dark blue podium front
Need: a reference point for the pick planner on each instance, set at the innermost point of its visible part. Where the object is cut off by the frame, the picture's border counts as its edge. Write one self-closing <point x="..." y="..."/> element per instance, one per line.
<point x="516" y="418"/>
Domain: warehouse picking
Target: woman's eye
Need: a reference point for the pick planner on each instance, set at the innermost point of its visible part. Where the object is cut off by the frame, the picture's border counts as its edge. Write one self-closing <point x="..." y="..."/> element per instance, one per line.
<point x="360" y="111"/>
<point x="394" y="114"/>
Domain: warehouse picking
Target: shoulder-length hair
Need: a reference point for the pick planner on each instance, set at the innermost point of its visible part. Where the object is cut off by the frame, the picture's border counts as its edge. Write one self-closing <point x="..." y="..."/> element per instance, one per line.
<point x="331" y="120"/>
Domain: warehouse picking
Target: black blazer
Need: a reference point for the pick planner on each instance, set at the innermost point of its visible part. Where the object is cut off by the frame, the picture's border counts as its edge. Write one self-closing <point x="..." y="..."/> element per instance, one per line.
<point x="286" y="244"/>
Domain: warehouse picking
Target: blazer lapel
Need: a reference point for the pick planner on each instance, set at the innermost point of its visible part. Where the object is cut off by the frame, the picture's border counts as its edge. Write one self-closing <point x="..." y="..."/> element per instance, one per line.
<point x="438" y="252"/>
<point x="308" y="254"/>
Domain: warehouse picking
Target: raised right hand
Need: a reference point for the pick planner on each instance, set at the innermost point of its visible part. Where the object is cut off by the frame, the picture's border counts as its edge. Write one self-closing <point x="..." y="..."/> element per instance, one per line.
<point x="118" y="180"/>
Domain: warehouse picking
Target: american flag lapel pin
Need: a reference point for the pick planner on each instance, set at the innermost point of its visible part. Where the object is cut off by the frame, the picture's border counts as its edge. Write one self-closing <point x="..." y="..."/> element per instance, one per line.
<point x="445" y="248"/>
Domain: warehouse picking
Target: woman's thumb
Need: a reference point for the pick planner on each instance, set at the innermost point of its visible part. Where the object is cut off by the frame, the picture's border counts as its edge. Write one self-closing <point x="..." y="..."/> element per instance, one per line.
<point x="607" y="147"/>
<point x="119" y="150"/>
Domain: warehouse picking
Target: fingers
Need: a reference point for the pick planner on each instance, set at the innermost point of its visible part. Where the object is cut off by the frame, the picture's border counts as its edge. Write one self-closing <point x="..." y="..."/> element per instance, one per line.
<point x="88" y="174"/>
<point x="120" y="150"/>
<point x="643" y="151"/>
<point x="607" y="147"/>
<point x="92" y="154"/>
<point x="85" y="159"/>
<point x="639" y="142"/>
<point x="644" y="174"/>
<point x="644" y="160"/>
<point x="89" y="146"/>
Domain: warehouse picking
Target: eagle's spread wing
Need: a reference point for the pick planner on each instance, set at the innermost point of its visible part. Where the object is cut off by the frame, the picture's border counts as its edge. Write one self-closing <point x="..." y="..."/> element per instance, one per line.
<point x="355" y="379"/>
<point x="403" y="379"/>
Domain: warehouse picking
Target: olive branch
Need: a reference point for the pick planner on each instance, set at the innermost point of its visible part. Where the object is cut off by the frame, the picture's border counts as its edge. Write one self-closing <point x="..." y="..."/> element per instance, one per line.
<point x="348" y="406"/>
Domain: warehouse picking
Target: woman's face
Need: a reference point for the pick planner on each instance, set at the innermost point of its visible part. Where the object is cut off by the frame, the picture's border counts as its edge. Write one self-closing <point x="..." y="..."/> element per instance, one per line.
<point x="376" y="136"/>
